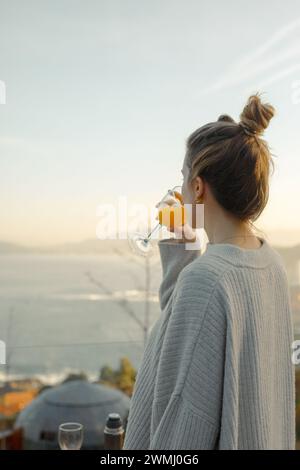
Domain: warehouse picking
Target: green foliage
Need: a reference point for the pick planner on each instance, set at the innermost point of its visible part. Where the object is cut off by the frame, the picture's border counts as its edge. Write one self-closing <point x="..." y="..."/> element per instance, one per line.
<point x="123" y="378"/>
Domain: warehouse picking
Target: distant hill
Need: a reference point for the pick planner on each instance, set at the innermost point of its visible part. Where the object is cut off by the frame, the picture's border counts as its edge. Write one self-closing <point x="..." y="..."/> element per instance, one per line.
<point x="84" y="247"/>
<point x="289" y="253"/>
<point x="6" y="247"/>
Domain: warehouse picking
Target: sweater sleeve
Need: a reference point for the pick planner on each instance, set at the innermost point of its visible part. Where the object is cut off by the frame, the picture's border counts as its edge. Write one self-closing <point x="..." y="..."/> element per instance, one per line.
<point x="183" y="428"/>
<point x="192" y="365"/>
<point x="174" y="257"/>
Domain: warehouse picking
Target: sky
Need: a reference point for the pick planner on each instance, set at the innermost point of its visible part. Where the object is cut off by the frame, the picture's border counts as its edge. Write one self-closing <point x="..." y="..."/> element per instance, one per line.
<point x="101" y="96"/>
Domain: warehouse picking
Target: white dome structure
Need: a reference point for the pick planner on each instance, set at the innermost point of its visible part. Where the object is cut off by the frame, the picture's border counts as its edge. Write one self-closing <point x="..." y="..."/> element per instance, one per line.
<point x="73" y="401"/>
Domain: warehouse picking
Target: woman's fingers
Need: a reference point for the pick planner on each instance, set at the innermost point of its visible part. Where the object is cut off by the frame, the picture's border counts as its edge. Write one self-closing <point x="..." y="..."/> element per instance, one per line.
<point x="179" y="196"/>
<point x="168" y="201"/>
<point x="186" y="233"/>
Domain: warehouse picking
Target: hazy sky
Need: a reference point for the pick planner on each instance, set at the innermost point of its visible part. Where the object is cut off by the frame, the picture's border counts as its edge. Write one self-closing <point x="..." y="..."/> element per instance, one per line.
<point x="101" y="96"/>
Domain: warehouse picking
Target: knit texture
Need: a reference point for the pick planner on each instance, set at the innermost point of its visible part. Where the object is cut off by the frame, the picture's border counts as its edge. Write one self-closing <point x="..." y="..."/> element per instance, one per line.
<point x="216" y="371"/>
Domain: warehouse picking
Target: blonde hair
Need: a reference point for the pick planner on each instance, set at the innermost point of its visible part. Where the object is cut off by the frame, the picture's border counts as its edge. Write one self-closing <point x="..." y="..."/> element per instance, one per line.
<point x="234" y="159"/>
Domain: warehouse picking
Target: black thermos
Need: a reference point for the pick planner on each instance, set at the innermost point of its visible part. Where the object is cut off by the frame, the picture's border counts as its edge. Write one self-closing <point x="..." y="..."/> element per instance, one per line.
<point x="113" y="432"/>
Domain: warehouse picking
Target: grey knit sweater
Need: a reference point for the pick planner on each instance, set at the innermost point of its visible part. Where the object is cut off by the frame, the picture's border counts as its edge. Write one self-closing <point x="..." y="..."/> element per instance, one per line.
<point x="216" y="372"/>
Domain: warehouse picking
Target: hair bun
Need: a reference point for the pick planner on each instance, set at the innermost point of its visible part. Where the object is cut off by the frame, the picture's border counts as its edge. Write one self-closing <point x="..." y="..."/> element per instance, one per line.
<point x="256" y="115"/>
<point x="225" y="118"/>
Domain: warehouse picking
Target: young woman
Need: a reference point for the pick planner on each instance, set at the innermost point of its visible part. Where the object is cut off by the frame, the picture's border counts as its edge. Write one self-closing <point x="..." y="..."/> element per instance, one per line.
<point x="217" y="371"/>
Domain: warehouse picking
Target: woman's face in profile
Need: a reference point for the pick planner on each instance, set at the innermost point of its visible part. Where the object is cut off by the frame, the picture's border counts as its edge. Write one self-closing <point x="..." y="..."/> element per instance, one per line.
<point x="187" y="191"/>
<point x="190" y="193"/>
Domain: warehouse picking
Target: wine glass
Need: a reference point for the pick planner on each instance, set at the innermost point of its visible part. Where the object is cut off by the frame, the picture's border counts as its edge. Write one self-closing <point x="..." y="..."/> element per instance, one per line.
<point x="70" y="436"/>
<point x="141" y="242"/>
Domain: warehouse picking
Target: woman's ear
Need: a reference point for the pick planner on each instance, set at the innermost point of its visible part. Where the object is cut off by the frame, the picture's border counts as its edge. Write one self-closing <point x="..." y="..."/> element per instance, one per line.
<point x="198" y="187"/>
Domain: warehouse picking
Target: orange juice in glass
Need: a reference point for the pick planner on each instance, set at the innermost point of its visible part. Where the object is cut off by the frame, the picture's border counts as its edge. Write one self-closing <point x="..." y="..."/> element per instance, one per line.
<point x="170" y="216"/>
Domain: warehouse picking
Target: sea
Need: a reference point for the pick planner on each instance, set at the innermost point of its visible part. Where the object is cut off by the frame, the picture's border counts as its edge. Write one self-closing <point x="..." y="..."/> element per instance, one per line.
<point x="62" y="314"/>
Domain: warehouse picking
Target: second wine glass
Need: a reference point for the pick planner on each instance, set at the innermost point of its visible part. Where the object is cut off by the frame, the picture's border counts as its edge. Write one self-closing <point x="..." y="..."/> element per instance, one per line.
<point x="70" y="436"/>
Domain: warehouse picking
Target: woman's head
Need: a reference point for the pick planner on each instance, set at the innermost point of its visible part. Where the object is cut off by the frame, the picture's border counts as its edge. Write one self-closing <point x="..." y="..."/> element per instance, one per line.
<point x="232" y="161"/>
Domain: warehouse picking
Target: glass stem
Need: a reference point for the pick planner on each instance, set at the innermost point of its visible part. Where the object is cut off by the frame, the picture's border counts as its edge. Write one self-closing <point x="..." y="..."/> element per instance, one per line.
<point x="155" y="229"/>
